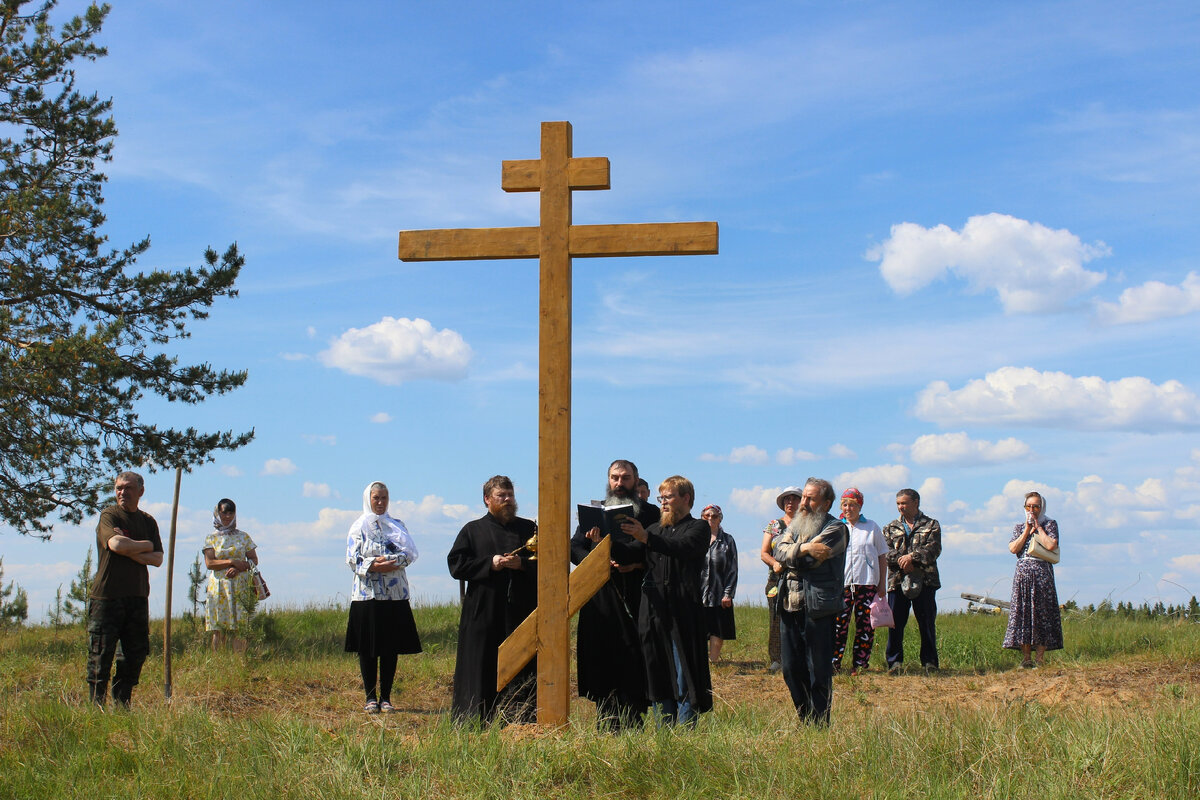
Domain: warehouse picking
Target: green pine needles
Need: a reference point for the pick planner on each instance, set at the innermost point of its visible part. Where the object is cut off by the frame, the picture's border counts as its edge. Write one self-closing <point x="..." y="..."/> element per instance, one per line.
<point x="82" y="333"/>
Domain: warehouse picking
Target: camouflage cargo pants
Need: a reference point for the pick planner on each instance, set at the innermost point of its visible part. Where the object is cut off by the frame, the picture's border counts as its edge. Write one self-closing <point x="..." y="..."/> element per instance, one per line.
<point x="120" y="628"/>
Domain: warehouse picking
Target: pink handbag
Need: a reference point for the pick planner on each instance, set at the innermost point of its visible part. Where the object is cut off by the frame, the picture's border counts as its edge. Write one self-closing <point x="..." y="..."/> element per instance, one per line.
<point x="881" y="612"/>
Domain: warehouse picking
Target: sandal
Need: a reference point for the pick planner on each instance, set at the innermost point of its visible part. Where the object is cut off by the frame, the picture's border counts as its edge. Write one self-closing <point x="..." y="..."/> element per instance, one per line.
<point x="386" y="707"/>
<point x="1027" y="664"/>
<point x="371" y="707"/>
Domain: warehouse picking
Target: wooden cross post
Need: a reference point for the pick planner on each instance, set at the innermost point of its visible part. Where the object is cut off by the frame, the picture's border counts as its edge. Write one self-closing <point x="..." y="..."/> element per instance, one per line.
<point x="554" y="243"/>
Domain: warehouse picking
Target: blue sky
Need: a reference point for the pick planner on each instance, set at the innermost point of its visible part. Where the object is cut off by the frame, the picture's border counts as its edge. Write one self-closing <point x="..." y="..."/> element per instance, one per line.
<point x="957" y="253"/>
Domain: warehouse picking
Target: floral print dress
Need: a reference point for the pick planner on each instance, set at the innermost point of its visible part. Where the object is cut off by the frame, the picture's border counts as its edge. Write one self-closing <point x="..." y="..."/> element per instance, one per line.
<point x="227" y="596"/>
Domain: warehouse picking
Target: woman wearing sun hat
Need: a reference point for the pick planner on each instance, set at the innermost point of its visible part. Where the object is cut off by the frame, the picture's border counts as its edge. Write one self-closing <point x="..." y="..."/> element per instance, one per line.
<point x="866" y="571"/>
<point x="788" y="501"/>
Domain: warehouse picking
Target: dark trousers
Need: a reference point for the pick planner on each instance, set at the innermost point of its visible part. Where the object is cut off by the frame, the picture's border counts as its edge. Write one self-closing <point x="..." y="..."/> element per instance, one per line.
<point x="807" y="658"/>
<point x="924" y="608"/>
<point x="117" y="627"/>
<point x="386" y="674"/>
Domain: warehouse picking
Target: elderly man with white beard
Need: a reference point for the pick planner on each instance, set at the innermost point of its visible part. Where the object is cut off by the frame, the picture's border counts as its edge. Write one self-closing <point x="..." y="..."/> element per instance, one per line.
<point x="813" y="553"/>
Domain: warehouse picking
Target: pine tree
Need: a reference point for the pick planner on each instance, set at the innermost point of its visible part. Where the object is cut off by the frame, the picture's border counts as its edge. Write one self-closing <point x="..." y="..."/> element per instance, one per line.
<point x="83" y="334"/>
<point x="75" y="603"/>
<point x="195" y="581"/>
<point x="58" y="611"/>
<point x="14" y="612"/>
<point x="1193" y="610"/>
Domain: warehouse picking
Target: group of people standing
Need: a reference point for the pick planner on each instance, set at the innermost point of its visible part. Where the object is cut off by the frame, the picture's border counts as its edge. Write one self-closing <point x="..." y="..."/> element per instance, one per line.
<point x="645" y="639"/>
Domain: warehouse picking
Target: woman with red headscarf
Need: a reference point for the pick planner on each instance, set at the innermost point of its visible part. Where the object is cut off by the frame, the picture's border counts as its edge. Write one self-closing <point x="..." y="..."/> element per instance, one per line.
<point x="866" y="572"/>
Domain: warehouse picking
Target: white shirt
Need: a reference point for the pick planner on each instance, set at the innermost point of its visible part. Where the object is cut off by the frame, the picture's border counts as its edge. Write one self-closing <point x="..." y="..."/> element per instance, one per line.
<point x="862" y="554"/>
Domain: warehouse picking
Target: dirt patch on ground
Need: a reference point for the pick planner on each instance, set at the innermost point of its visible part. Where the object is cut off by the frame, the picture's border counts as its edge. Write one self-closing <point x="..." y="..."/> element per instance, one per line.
<point x="1122" y="684"/>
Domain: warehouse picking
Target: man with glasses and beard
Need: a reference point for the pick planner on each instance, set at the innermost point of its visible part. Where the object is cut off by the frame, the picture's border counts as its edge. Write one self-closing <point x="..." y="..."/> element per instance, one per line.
<point x="813" y="553"/>
<point x="671" y="626"/>
<point x="609" y="656"/>
<point x="501" y="591"/>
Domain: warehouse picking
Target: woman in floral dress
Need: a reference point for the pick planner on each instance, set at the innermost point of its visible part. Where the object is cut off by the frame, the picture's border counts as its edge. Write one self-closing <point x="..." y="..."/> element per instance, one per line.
<point x="229" y="554"/>
<point x="1034" y="620"/>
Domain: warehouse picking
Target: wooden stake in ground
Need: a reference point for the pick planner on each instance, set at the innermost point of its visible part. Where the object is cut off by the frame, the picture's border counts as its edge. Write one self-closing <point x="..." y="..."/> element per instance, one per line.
<point x="554" y="242"/>
<point x="170" y="584"/>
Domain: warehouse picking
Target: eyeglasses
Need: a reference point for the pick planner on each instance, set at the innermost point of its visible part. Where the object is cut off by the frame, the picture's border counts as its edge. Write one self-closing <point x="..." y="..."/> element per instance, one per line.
<point x="1033" y="505"/>
<point x="662" y="498"/>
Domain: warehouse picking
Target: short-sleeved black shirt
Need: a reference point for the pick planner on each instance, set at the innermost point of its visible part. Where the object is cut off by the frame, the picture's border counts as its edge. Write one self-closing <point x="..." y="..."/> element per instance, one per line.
<point x="118" y="575"/>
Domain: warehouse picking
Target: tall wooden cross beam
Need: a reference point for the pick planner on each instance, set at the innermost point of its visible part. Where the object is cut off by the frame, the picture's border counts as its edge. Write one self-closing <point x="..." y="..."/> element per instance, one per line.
<point x="554" y="243"/>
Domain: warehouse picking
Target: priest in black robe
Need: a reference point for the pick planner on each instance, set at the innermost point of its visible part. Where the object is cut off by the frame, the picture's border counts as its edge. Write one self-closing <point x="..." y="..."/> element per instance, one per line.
<point x="610" y="669"/>
<point x="671" y="625"/>
<point x="501" y="592"/>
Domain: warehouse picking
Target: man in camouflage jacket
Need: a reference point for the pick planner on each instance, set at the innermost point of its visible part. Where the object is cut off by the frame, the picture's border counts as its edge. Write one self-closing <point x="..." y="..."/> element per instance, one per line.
<point x="916" y="542"/>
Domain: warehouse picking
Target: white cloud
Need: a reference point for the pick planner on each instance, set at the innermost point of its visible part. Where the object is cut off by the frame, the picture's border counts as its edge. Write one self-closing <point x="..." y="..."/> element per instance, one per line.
<point x="1152" y="300"/>
<point x="759" y="501"/>
<point x="317" y="489"/>
<point x="746" y="454"/>
<point x="961" y="450"/>
<point x="960" y="541"/>
<point x="840" y="450"/>
<point x="1187" y="563"/>
<point x="278" y="466"/>
<point x="314" y="438"/>
<point x="933" y="493"/>
<point x="230" y="471"/>
<point x="431" y="509"/>
<point x="381" y="417"/>
<point x="871" y="480"/>
<point x="311" y="331"/>
<point x="789" y="456"/>
<point x="294" y="356"/>
<point x="1031" y="267"/>
<point x="392" y="351"/>
<point x="1025" y="396"/>
<point x="1114" y="505"/>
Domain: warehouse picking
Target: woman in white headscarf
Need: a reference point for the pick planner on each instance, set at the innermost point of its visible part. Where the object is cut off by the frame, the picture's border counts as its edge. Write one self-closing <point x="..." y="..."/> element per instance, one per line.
<point x="381" y="625"/>
<point x="230" y="555"/>
<point x="1034" y="620"/>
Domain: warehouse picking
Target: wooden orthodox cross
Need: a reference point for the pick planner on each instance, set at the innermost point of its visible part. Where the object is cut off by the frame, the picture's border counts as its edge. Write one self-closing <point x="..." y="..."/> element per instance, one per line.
<point x="546" y="632"/>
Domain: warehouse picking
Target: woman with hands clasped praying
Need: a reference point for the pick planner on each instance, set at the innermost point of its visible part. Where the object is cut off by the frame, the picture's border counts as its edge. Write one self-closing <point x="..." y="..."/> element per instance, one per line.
<point x="1034" y="620"/>
<point x="381" y="625"/>
<point x="230" y="555"/>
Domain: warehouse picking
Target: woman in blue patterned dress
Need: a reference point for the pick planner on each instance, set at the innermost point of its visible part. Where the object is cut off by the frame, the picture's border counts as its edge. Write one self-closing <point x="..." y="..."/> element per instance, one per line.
<point x="1034" y="620"/>
<point x="381" y="625"/>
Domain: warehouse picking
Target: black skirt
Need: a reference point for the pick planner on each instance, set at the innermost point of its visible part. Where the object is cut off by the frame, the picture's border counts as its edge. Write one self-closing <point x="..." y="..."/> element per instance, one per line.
<point x="719" y="622"/>
<point x="382" y="627"/>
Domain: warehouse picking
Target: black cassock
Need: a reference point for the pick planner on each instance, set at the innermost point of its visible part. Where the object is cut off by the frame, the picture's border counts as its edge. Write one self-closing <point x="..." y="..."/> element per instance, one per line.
<point x="610" y="669"/>
<point x="672" y="612"/>
<point x="495" y="604"/>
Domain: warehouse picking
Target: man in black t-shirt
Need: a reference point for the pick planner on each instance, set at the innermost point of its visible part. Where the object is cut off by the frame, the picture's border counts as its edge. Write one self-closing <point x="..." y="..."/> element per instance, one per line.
<point x="127" y="541"/>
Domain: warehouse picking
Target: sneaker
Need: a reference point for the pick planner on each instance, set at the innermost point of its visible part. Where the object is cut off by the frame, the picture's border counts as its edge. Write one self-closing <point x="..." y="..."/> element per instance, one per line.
<point x="894" y="669"/>
<point x="1027" y="664"/>
<point x="775" y="667"/>
<point x="372" y="707"/>
<point x="930" y="669"/>
<point x="385" y="707"/>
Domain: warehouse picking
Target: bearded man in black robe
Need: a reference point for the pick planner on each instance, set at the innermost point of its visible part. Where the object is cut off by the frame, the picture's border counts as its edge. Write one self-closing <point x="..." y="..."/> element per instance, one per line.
<point x="671" y="625"/>
<point x="501" y="592"/>
<point x="610" y="668"/>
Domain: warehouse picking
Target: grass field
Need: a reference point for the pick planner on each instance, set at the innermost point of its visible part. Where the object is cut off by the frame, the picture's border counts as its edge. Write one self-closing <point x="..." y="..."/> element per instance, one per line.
<point x="1115" y="715"/>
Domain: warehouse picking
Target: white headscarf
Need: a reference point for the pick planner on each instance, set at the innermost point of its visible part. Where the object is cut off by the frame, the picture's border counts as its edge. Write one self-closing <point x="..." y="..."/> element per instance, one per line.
<point x="1042" y="514"/>
<point x="230" y="528"/>
<point x="384" y="530"/>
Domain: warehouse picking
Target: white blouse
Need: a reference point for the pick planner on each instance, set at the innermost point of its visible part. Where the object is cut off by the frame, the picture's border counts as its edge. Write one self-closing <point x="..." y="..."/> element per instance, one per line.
<point x="862" y="554"/>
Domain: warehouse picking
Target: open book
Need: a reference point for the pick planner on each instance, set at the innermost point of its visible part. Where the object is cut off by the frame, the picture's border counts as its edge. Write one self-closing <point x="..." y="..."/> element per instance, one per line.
<point x="607" y="518"/>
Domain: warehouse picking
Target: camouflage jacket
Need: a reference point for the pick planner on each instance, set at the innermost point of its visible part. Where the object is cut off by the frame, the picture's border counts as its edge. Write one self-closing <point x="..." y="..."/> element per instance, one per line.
<point x="925" y="545"/>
